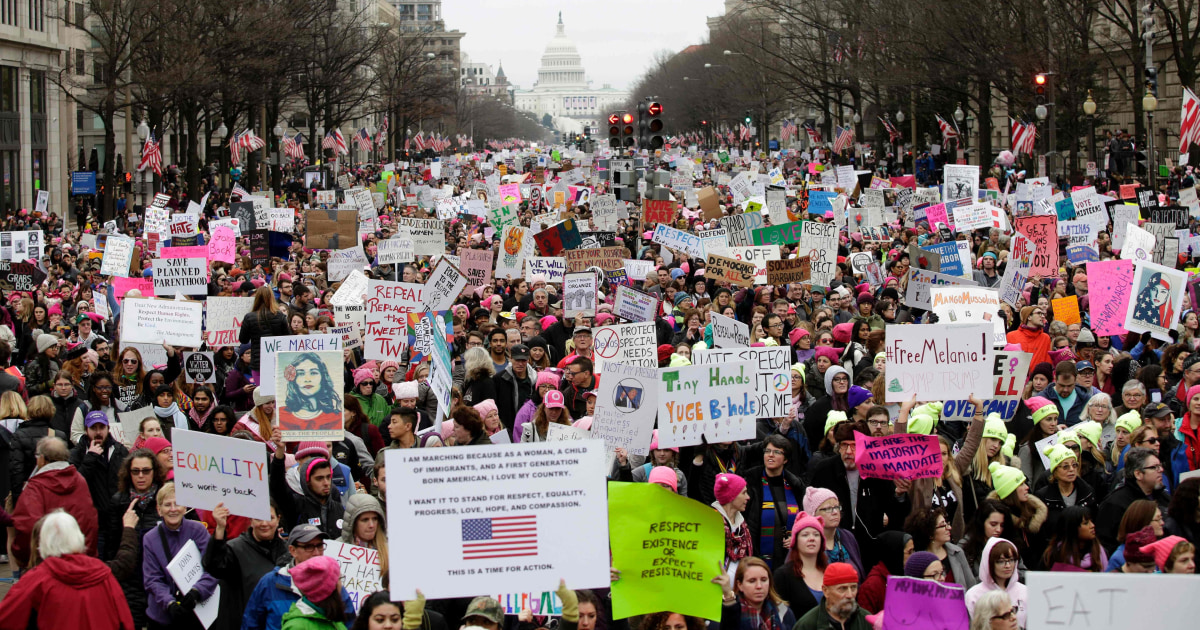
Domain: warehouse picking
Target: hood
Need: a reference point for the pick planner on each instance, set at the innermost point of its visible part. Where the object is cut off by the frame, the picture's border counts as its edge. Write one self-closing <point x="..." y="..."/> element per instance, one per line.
<point x="356" y="506"/>
<point x="985" y="576"/>
<point x="892" y="555"/>
<point x="737" y="521"/>
<point x="78" y="570"/>
<point x="58" y="476"/>
<point x="833" y="371"/>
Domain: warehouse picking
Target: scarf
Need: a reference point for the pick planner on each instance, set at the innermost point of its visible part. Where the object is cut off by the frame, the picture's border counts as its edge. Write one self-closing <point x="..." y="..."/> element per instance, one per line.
<point x="773" y="518"/>
<point x="201" y="420"/>
<point x="763" y="619"/>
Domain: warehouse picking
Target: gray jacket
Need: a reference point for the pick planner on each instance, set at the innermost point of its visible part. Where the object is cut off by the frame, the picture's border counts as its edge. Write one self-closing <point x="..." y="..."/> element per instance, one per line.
<point x="960" y="566"/>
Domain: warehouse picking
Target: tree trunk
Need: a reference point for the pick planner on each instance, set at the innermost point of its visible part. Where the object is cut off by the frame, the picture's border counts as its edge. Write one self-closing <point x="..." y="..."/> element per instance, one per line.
<point x="984" y="145"/>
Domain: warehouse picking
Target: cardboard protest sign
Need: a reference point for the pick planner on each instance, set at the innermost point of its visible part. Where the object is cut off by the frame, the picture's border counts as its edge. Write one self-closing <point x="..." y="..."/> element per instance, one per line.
<point x="21" y="276"/>
<point x="385" y="322"/>
<point x="668" y="548"/>
<point x="898" y="456"/>
<point x="509" y="504"/>
<point x="709" y="203"/>
<point x="780" y="272"/>
<point x="920" y="283"/>
<point x="629" y="344"/>
<point x="969" y="305"/>
<point x="1156" y="298"/>
<point x="928" y="604"/>
<point x="359" y="570"/>
<point x="772" y="375"/>
<point x="728" y="332"/>
<point x="175" y="323"/>
<point x="477" y="265"/>
<point x="1066" y="309"/>
<point x="658" y="211"/>
<point x="428" y="235"/>
<point x="444" y="285"/>
<point x="269" y="347"/>
<point x="1081" y="600"/>
<point x="330" y="229"/>
<point x="634" y="305"/>
<point x="626" y="405"/>
<point x="819" y="243"/>
<point x="1043" y="232"/>
<point x="730" y="270"/>
<point x="757" y="255"/>
<point x="118" y="254"/>
<point x="212" y="469"/>
<point x="180" y="275"/>
<point x="579" y="294"/>
<point x="939" y="361"/>
<point x="710" y="401"/>
<point x="740" y="227"/>
<point x="308" y="388"/>
<point x="1110" y="283"/>
<point x="198" y="367"/>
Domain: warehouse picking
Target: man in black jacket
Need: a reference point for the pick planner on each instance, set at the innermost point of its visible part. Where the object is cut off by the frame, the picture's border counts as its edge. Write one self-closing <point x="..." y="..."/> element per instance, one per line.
<point x="98" y="458"/>
<point x="1143" y="480"/>
<point x="318" y="503"/>
<point x="514" y="385"/>
<point x="240" y="563"/>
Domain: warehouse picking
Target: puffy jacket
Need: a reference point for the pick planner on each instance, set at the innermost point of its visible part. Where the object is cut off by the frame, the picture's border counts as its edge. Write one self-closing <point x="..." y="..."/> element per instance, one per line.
<point x="1179" y="456"/>
<point x="253" y="330"/>
<point x="304" y="615"/>
<point x="509" y="397"/>
<point x="160" y="587"/>
<point x="100" y="471"/>
<point x="148" y="518"/>
<point x="1016" y="590"/>
<point x="240" y="564"/>
<point x="273" y="597"/>
<point x="524" y="416"/>
<point x="70" y="591"/>
<point x="1085" y="496"/>
<point x="55" y="485"/>
<point x="23" y="459"/>
<point x="64" y="412"/>
<point x="303" y="506"/>
<point x="1069" y="417"/>
<point x="39" y="375"/>
<point x="1035" y="341"/>
<point x="376" y="407"/>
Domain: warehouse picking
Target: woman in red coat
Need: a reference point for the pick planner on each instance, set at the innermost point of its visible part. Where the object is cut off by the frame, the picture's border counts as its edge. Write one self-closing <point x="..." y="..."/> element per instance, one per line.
<point x="69" y="589"/>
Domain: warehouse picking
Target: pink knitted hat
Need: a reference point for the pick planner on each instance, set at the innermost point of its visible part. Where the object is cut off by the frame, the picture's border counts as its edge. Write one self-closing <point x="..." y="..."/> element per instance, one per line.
<point x="317" y="577"/>
<point x="665" y="475"/>
<point x="814" y="497"/>
<point x="727" y="487"/>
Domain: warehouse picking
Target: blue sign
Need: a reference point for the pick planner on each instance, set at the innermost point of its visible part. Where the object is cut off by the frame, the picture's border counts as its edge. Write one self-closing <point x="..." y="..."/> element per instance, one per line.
<point x="951" y="264"/>
<point x="83" y="183"/>
<point x="774" y="145"/>
<point x="820" y="202"/>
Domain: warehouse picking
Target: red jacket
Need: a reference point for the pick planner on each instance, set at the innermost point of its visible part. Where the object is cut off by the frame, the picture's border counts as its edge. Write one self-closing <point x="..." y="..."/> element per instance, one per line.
<point x="874" y="589"/>
<point x="1034" y="341"/>
<point x="47" y="490"/>
<point x="71" y="591"/>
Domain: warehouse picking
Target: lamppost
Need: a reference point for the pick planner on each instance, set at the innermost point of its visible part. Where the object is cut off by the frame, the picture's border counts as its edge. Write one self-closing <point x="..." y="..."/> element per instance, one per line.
<point x="897" y="145"/>
<point x="1089" y="108"/>
<point x="220" y="133"/>
<point x="958" y="119"/>
<point x="143" y="131"/>
<point x="1041" y="112"/>
<point x="1150" y="103"/>
<point x="277" y="173"/>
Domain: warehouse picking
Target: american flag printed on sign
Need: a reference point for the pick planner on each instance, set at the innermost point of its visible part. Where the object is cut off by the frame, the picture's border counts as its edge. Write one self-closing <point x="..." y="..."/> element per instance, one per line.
<point x="499" y="537"/>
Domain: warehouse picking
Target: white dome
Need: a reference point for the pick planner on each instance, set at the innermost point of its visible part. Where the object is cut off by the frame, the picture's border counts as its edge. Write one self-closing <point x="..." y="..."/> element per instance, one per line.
<point x="561" y="64"/>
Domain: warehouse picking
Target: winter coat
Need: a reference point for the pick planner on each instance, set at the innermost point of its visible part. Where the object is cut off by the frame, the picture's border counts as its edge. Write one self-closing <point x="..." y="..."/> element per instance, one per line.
<point x="1069" y="417"/>
<point x="100" y="471"/>
<point x="235" y="395"/>
<point x="876" y="497"/>
<point x="1052" y="497"/>
<point x="375" y="406"/>
<point x="64" y="413"/>
<point x="81" y="412"/>
<point x="304" y="615"/>
<point x="479" y="389"/>
<point x="39" y="375"/>
<point x="253" y="330"/>
<point x="1035" y="341"/>
<point x="55" y="485"/>
<point x="1026" y="533"/>
<point x="148" y="518"/>
<point x="161" y="591"/>
<point x="69" y="591"/>
<point x="737" y="537"/>
<point x="754" y="487"/>
<point x="304" y="507"/>
<point x="1108" y="521"/>
<point x="240" y="563"/>
<point x="818" y="619"/>
<point x="732" y="617"/>
<point x="1016" y="590"/>
<point x="273" y="597"/>
<point x="23" y="460"/>
<point x="509" y="395"/>
<point x="524" y="416"/>
<point x="956" y="558"/>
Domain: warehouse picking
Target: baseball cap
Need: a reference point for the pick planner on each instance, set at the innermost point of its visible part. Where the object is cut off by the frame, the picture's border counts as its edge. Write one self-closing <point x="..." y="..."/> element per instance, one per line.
<point x="485" y="607"/>
<point x="554" y="399"/>
<point x="582" y="330"/>
<point x="519" y="351"/>
<point x="96" y="417"/>
<point x="1084" y="365"/>
<point x="1155" y="410"/>
<point x="305" y="532"/>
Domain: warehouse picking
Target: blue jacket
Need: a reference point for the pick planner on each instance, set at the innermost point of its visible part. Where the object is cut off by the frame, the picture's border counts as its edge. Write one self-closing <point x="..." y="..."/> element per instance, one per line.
<point x="1176" y="464"/>
<point x="1069" y="417"/>
<point x="273" y="596"/>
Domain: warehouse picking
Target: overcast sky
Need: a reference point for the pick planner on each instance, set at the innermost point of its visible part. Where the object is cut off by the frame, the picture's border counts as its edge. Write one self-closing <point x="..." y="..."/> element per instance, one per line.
<point x="617" y="39"/>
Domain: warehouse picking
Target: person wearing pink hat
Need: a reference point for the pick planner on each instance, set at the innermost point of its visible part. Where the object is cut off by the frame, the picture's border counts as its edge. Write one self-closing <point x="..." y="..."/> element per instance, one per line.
<point x="375" y="406"/>
<point x="805" y="563"/>
<point x="490" y="416"/>
<point x="658" y="458"/>
<point x="840" y="544"/>
<point x="732" y="498"/>
<point x="553" y="410"/>
<point x="321" y="606"/>
<point x="664" y="477"/>
<point x="547" y="380"/>
<point x="1173" y="554"/>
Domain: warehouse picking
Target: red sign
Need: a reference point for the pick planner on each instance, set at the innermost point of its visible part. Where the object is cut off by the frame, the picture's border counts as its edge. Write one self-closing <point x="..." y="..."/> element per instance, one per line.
<point x="659" y="211"/>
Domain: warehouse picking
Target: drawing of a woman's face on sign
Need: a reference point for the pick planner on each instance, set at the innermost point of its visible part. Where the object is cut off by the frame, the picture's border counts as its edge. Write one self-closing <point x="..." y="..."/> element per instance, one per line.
<point x="309" y="388"/>
<point x="1156" y="300"/>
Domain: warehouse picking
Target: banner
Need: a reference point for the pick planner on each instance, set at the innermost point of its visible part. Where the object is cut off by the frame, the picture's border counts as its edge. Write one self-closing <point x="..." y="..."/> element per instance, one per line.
<point x="308" y="394"/>
<point x="634" y="305"/>
<point x="498" y="513"/>
<point x="931" y="605"/>
<point x="728" y="332"/>
<point x="898" y="456"/>
<point x="667" y="548"/>
<point x="212" y="469"/>
<point x="939" y="361"/>
<point x="780" y="272"/>
<point x="709" y="401"/>
<point x="772" y="375"/>
<point x="579" y="294"/>
<point x="269" y="347"/>
<point x="175" y="323"/>
<point x="388" y="303"/>
<point x="730" y="270"/>
<point x="359" y="568"/>
<point x="1110" y="283"/>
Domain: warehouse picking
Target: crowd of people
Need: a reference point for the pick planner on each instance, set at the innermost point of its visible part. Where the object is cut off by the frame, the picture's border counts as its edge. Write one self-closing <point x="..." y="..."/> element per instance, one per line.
<point x="93" y="522"/>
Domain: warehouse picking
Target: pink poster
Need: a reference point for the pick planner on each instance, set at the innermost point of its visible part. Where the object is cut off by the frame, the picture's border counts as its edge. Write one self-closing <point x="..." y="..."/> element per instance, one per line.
<point x="1109" y="285"/>
<point x="937" y="214"/>
<point x="1043" y="231"/>
<point x="121" y="286"/>
<point x="223" y="245"/>
<point x="900" y="456"/>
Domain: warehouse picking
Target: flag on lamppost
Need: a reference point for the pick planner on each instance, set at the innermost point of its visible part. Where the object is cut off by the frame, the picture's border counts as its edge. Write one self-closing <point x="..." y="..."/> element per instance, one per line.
<point x="151" y="156"/>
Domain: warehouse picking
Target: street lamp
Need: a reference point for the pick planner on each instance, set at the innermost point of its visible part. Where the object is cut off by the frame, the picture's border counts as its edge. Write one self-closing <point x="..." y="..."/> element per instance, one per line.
<point x="1150" y="103"/>
<point x="899" y="115"/>
<point x="221" y="132"/>
<point x="143" y="130"/>
<point x="958" y="118"/>
<point x="1089" y="108"/>
<point x="857" y="118"/>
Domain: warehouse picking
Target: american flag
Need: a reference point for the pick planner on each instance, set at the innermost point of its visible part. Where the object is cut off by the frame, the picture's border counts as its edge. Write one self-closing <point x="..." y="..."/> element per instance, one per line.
<point x="235" y="149"/>
<point x="1189" y="121"/>
<point x="151" y="156"/>
<point x="419" y="141"/>
<point x="1023" y="136"/>
<point x="499" y="537"/>
<point x="294" y="146"/>
<point x="843" y="138"/>
<point x="363" y="139"/>
<point x="893" y="133"/>
<point x="948" y="131"/>
<point x="745" y="133"/>
<point x="328" y="142"/>
<point x="340" y="141"/>
<point x="381" y="139"/>
<point x="250" y="141"/>
<point x="813" y="134"/>
<point x="238" y="190"/>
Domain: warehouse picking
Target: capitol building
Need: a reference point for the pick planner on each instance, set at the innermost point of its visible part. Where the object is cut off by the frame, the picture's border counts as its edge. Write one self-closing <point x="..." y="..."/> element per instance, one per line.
<point x="563" y="91"/>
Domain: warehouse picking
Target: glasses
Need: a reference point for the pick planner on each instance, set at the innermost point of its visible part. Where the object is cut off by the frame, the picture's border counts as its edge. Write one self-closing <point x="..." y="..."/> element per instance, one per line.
<point x="830" y="510"/>
<point x="141" y="471"/>
<point x="825" y="342"/>
<point x="943" y="525"/>
<point x="935" y="576"/>
<point x="845" y="447"/>
<point x="773" y="451"/>
<point x="775" y="325"/>
<point x="1152" y="440"/>
<point x="1006" y="562"/>
<point x="129" y="361"/>
<point x="313" y="547"/>
<point x="1011" y="615"/>
<point x="877" y="424"/>
<point x="1156" y="467"/>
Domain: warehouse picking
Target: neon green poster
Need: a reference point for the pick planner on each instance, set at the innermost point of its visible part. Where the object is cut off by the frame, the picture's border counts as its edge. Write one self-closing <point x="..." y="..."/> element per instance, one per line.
<point x="668" y="549"/>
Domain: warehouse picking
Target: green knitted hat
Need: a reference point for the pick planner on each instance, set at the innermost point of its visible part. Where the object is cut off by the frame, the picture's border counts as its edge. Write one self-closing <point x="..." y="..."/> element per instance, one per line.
<point x="994" y="427"/>
<point x="1129" y="421"/>
<point x="1005" y="479"/>
<point x="1057" y="454"/>
<point x="1091" y="430"/>
<point x="832" y="419"/>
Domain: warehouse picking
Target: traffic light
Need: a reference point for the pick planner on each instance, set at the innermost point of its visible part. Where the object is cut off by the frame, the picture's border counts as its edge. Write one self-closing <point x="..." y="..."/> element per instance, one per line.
<point x="1039" y="87"/>
<point x="1152" y="79"/>
<point x="650" y="126"/>
<point x="128" y="182"/>
<point x="614" y="131"/>
<point x="627" y="130"/>
<point x="748" y="120"/>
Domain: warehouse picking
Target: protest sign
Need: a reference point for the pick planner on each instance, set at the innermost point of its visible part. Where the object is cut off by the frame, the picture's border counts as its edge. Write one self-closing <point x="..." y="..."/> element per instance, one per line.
<point x="1009" y="372"/>
<point x="658" y="211"/>
<point x="668" y="548"/>
<point x="180" y="275"/>
<point x="1080" y="600"/>
<point x="579" y="294"/>
<point x="780" y="272"/>
<point x="926" y="604"/>
<point x="899" y="456"/>
<point x="212" y="469"/>
<point x="969" y="305"/>
<point x="730" y="270"/>
<point x="222" y="246"/>
<point x="1066" y="309"/>
<point x="1139" y="244"/>
<point x="551" y="269"/>
<point x="428" y="235"/>
<point x="351" y="291"/>
<point x="545" y="604"/>
<point x="638" y="269"/>
<point x="385" y="322"/>
<point x="24" y="276"/>
<point x="186" y="569"/>
<point x="270" y="347"/>
<point x="309" y="393"/>
<point x="554" y="239"/>
<point x="400" y="248"/>
<point x="972" y="217"/>
<point x="444" y="285"/>
<point x="343" y="261"/>
<point x="1020" y="261"/>
<point x="713" y="401"/>
<point x="516" y="244"/>
<point x="1043" y="232"/>
<point x="626" y="405"/>
<point x="757" y="255"/>
<point x="634" y="305"/>
<point x="333" y="229"/>
<point x="678" y="240"/>
<point x="508" y="501"/>
<point x="118" y="254"/>
<point x="728" y="332"/>
<point x="1156" y="298"/>
<point x="359" y="570"/>
<point x="784" y="234"/>
<point x="1124" y="215"/>
<point x="740" y="227"/>
<point x="1081" y="241"/>
<point x="158" y="221"/>
<point x="175" y="323"/>
<point x="198" y="367"/>
<point x="1110" y="283"/>
<point x="939" y="361"/>
<point x="629" y="344"/>
<point x="282" y="220"/>
<point x="477" y="265"/>
<point x="772" y="375"/>
<point x="949" y="258"/>
<point x="921" y="282"/>
<point x="819" y="243"/>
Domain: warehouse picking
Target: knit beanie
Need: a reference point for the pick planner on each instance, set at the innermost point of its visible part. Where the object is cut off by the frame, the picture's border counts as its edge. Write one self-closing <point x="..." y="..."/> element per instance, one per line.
<point x="362" y="374"/>
<point x="157" y="444"/>
<point x="1191" y="393"/>
<point x="1025" y="313"/>
<point x="1091" y="430"/>
<point x="832" y="420"/>
<point x="1005" y="479"/>
<point x="1040" y="408"/>
<point x="1057" y="454"/>
<point x="261" y="398"/>
<point x="727" y="487"/>
<point x="918" y="563"/>
<point x="1010" y="447"/>
<point x="547" y="378"/>
<point x="1065" y="437"/>
<point x="664" y="475"/>
<point x="1162" y="549"/>
<point x="45" y="342"/>
<point x="804" y="521"/>
<point x="994" y="427"/>
<point x="486" y="407"/>
<point x="406" y="390"/>
<point x="857" y="396"/>
<point x="798" y="368"/>
<point x="923" y="420"/>
<point x="310" y="449"/>
<point x="840" y="573"/>
<point x="678" y="360"/>
<point x="1129" y="421"/>
<point x="317" y="577"/>
<point x="814" y="497"/>
<point x="797" y="334"/>
<point x="1137" y="546"/>
<point x="827" y="352"/>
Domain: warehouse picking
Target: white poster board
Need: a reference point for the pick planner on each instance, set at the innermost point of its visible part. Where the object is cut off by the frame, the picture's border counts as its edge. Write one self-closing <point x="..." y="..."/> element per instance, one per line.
<point x="626" y="405"/>
<point x="269" y="347"/>
<point x="176" y="323"/>
<point x="715" y="402"/>
<point x="223" y="321"/>
<point x="360" y="571"/>
<point x="212" y="469"/>
<point x="728" y="332"/>
<point x="188" y="276"/>
<point x="939" y="362"/>
<point x="1110" y="601"/>
<point x="631" y="344"/>
<point x="772" y="375"/>
<point x="635" y="305"/>
<point x="186" y="568"/>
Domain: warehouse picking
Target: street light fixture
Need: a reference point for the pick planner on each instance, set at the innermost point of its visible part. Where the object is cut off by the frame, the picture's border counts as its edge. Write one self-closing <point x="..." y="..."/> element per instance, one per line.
<point x="221" y="132"/>
<point x="143" y="129"/>
<point x="899" y="115"/>
<point x="1149" y="104"/>
<point x="857" y="118"/>
<point x="1041" y="112"/>
<point x="1089" y="108"/>
<point x="958" y="113"/>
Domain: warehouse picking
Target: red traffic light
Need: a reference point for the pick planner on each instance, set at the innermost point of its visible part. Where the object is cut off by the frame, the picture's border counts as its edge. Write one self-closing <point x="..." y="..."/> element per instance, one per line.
<point x="627" y="118"/>
<point x="703" y="122"/>
<point x="613" y="119"/>
<point x="654" y="109"/>
<point x="1039" y="79"/>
